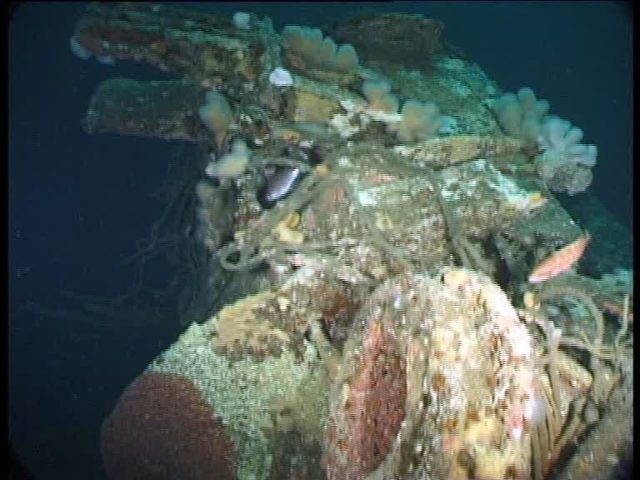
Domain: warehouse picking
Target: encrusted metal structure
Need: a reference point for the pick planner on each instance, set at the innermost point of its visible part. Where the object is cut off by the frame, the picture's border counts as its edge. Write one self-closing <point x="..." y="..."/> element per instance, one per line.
<point x="375" y="320"/>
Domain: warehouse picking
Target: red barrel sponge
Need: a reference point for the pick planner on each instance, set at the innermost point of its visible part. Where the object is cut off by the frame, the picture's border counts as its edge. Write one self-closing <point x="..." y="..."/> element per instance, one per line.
<point x="162" y="428"/>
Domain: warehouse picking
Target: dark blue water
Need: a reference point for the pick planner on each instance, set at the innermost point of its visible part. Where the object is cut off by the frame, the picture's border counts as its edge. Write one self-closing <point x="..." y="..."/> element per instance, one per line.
<point x="78" y="202"/>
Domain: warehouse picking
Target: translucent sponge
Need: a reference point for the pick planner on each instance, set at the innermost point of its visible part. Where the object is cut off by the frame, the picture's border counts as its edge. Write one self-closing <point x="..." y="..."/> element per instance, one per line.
<point x="420" y="121"/>
<point x="216" y="114"/>
<point x="315" y="52"/>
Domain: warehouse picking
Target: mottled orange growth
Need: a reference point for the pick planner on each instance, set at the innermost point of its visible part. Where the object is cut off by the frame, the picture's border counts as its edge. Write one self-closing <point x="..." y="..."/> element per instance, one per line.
<point x="560" y="261"/>
<point x="363" y="426"/>
<point x="161" y="428"/>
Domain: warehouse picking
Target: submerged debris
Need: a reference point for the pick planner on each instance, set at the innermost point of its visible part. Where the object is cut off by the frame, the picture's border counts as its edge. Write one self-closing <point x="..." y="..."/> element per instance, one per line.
<point x="364" y="262"/>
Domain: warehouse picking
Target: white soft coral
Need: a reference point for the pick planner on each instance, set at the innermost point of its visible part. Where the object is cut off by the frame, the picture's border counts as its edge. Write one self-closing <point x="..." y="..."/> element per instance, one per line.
<point x="564" y="163"/>
<point x="558" y="134"/>
<point x="520" y="115"/>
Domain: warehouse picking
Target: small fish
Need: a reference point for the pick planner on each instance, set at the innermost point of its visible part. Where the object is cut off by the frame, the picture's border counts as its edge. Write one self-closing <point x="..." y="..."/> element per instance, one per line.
<point x="560" y="261"/>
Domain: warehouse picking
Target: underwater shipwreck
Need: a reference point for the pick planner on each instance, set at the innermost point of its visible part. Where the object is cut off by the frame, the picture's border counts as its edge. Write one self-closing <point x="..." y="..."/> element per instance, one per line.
<point x="393" y="282"/>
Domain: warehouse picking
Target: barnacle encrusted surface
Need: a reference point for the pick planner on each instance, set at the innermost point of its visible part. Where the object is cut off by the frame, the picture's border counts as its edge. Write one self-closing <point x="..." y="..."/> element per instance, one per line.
<point x="249" y="395"/>
<point x="440" y="152"/>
